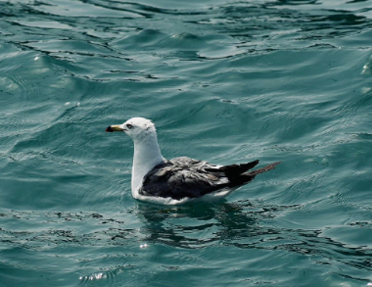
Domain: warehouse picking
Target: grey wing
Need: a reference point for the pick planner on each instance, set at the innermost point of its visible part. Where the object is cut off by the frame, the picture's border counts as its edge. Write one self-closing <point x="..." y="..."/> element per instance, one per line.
<point x="186" y="177"/>
<point x="183" y="177"/>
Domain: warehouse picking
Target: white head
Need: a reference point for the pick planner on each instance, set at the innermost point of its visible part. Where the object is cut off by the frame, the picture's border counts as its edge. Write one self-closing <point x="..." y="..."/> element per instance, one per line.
<point x="139" y="129"/>
<point x="146" y="148"/>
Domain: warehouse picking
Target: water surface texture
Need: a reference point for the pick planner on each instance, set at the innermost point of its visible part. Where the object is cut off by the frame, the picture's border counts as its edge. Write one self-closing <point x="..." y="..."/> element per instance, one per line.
<point x="224" y="81"/>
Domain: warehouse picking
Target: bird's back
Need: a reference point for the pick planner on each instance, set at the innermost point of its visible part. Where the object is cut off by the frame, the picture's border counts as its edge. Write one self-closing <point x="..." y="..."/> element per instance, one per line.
<point x="186" y="177"/>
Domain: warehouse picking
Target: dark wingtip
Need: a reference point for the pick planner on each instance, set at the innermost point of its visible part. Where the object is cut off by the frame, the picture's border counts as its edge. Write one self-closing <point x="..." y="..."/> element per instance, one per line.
<point x="109" y="129"/>
<point x="237" y="169"/>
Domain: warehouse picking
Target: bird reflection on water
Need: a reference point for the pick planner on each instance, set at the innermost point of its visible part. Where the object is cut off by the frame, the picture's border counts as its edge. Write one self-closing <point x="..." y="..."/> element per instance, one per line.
<point x="242" y="224"/>
<point x="200" y="225"/>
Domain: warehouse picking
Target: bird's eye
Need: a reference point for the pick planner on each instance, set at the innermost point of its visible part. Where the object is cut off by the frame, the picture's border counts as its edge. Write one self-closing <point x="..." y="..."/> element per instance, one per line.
<point x="129" y="126"/>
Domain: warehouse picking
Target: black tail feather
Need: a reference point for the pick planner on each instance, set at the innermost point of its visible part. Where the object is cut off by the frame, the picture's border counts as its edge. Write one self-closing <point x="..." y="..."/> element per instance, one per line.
<point x="237" y="169"/>
<point x="245" y="177"/>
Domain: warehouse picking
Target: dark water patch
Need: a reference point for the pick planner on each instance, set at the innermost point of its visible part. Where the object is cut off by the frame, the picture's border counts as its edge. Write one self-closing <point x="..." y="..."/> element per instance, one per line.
<point x="53" y="234"/>
<point x="250" y="22"/>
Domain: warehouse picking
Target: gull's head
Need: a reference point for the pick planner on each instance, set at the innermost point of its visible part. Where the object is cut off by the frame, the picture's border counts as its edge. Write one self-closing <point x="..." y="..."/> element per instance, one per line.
<point x="137" y="128"/>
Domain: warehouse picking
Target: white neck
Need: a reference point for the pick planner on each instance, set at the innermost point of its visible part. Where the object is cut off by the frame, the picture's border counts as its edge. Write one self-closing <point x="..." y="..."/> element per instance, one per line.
<point x="146" y="156"/>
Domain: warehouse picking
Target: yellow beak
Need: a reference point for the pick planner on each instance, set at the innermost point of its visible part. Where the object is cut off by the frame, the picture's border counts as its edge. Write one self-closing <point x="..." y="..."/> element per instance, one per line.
<point x="114" y="128"/>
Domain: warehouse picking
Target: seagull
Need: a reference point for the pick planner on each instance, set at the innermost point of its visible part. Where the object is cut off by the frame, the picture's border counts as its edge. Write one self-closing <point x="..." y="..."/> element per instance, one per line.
<point x="181" y="179"/>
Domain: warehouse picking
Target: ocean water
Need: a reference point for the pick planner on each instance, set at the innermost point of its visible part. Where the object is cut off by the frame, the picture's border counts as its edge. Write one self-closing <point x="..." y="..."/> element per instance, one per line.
<point x="224" y="81"/>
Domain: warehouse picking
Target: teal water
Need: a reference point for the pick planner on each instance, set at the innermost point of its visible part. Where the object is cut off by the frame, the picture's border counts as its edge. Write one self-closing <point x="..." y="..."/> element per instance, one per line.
<point x="224" y="81"/>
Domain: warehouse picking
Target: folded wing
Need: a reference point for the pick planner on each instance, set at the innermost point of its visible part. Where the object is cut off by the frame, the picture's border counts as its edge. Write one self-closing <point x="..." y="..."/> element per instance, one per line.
<point x="186" y="177"/>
